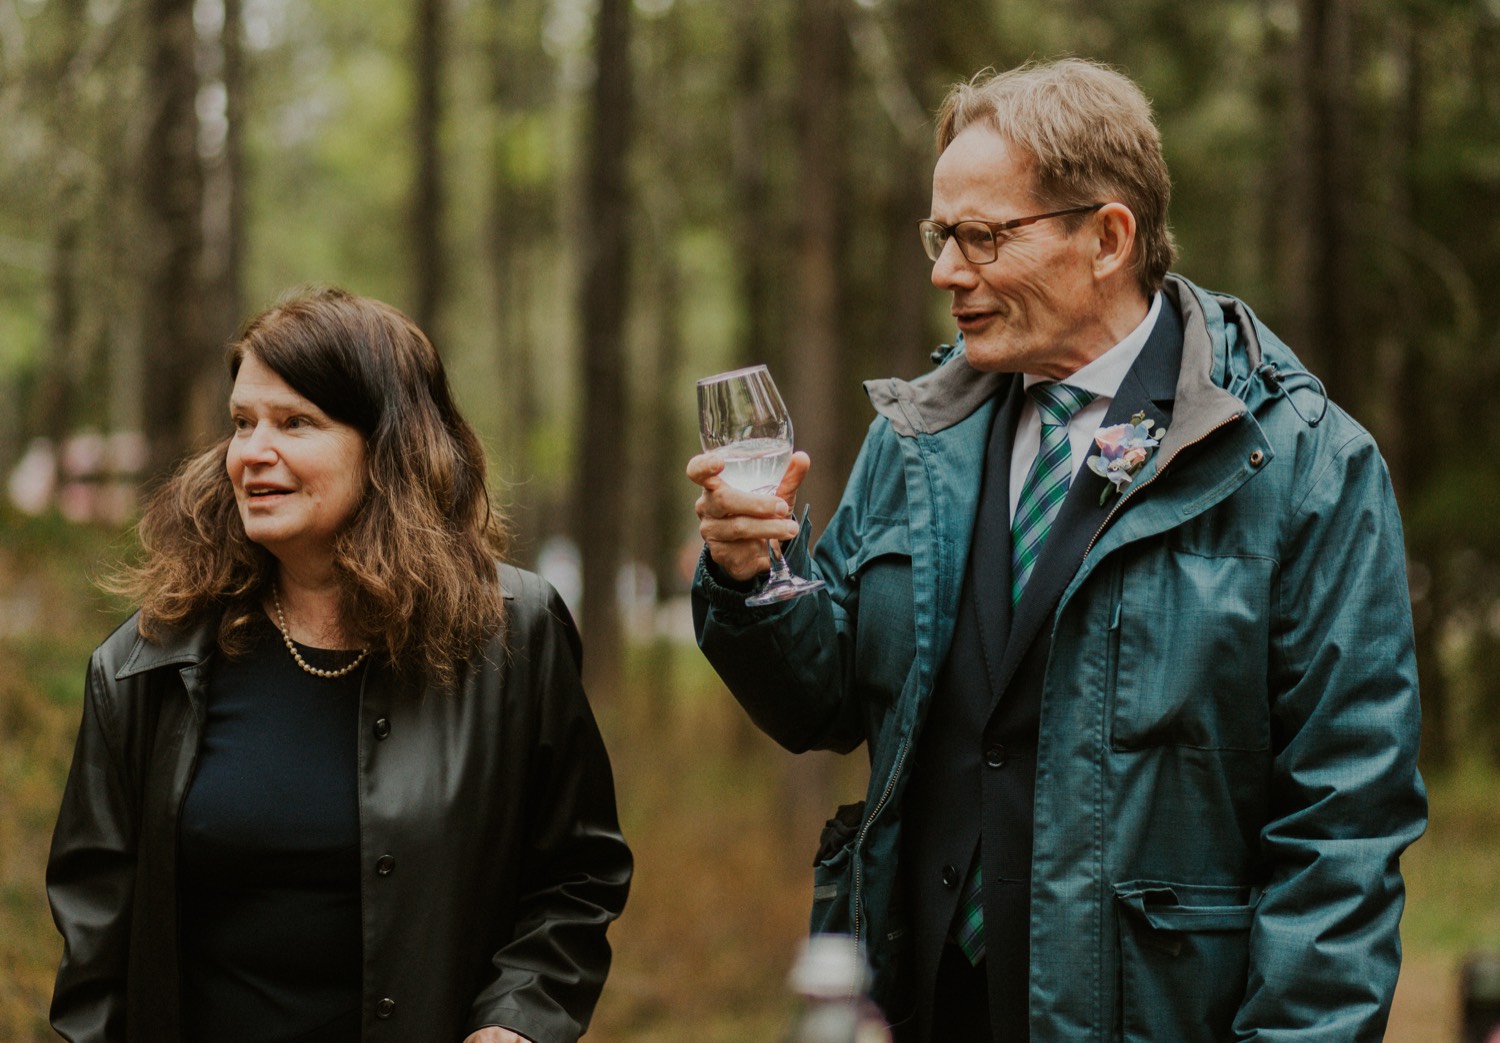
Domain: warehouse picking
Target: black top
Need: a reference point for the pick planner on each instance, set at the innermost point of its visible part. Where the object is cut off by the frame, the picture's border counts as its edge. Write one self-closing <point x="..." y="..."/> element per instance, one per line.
<point x="269" y="854"/>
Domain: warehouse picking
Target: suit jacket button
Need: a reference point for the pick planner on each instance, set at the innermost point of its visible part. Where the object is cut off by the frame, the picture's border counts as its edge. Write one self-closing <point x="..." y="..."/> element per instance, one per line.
<point x="385" y="865"/>
<point x="385" y="1008"/>
<point x="950" y="876"/>
<point x="994" y="756"/>
<point x="382" y="728"/>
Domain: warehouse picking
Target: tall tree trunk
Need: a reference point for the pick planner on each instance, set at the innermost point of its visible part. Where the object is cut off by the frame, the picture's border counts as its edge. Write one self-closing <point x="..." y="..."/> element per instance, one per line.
<point x="427" y="206"/>
<point x="171" y="185"/>
<point x="814" y="374"/>
<point x="662" y="489"/>
<point x="907" y="345"/>
<point x="1328" y="303"/>
<point x="664" y="52"/>
<point x="599" y="492"/>
<point x="236" y="88"/>
<point x="754" y="250"/>
<point x="54" y="405"/>
<point x="56" y="399"/>
<point x="224" y="240"/>
<point x="1412" y="414"/>
<point x="519" y="211"/>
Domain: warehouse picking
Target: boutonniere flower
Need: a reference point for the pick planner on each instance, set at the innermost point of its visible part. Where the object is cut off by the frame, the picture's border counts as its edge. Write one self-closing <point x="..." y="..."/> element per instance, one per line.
<point x="1123" y="451"/>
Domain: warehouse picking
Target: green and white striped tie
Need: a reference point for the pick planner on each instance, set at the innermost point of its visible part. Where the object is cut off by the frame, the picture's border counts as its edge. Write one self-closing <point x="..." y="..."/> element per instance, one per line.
<point x="1047" y="482"/>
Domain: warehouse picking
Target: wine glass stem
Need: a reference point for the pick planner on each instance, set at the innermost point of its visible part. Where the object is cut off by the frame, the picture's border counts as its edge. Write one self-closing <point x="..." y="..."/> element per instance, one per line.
<point x="779" y="568"/>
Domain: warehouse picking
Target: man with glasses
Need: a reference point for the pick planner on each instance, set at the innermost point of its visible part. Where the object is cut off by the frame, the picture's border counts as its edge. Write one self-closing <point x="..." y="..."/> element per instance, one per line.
<point x="1116" y="598"/>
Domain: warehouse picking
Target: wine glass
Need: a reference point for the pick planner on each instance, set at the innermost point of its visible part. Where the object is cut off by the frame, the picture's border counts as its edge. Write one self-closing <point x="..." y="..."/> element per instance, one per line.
<point x="742" y="420"/>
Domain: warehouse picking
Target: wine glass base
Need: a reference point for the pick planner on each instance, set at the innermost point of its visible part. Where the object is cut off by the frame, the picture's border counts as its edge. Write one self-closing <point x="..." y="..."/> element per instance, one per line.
<point x="784" y="589"/>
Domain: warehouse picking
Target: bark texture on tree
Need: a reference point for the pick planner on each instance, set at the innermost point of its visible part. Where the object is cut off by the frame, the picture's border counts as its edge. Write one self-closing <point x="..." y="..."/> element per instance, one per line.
<point x="813" y="384"/>
<point x="171" y="248"/>
<point x="599" y="490"/>
<point x="428" y="202"/>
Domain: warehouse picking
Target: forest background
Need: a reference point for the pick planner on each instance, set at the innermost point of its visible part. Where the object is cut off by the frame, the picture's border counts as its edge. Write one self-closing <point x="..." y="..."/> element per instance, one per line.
<point x="589" y="203"/>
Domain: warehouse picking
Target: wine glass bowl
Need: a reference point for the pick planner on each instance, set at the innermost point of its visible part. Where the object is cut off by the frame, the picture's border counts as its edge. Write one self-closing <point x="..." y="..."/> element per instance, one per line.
<point x="743" y="420"/>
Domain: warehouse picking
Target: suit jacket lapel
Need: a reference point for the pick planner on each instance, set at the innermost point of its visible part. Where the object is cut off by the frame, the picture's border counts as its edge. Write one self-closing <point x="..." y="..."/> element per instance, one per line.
<point x="990" y="553"/>
<point x="1150" y="387"/>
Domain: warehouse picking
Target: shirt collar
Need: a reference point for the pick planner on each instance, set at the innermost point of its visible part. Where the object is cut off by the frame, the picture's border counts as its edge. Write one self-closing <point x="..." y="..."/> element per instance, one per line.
<point x="1104" y="375"/>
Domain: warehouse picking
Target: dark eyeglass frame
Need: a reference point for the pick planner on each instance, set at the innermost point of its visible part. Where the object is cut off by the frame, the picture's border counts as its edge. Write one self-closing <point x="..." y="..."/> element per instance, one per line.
<point x="935" y="234"/>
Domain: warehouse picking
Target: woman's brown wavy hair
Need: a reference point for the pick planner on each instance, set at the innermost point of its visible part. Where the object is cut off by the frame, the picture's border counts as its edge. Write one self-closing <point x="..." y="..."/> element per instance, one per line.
<point x="417" y="561"/>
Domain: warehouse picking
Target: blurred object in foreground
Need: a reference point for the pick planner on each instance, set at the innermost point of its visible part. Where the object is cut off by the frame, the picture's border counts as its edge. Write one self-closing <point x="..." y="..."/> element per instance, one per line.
<point x="1479" y="998"/>
<point x="831" y="976"/>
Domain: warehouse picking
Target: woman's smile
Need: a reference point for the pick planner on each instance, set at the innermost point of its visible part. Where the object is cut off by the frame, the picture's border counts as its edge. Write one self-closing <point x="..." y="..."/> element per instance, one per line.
<point x="298" y="474"/>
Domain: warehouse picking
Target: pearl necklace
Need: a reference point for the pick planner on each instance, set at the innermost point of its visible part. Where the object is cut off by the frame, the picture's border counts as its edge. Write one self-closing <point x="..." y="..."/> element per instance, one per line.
<point x="291" y="646"/>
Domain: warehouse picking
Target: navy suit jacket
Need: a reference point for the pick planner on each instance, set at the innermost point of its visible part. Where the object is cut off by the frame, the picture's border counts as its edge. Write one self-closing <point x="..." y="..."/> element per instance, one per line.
<point x="974" y="772"/>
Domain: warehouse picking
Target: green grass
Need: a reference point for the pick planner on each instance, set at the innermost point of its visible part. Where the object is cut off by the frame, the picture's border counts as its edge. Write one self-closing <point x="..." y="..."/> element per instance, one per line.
<point x="36" y="734"/>
<point x="53" y="667"/>
<point x="1453" y="873"/>
<point x="1452" y="902"/>
<point x="51" y="616"/>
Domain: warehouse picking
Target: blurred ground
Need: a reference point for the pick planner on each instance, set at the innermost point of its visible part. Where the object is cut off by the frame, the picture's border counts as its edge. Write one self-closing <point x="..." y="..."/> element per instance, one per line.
<point x="1425" y="1010"/>
<point x="722" y="822"/>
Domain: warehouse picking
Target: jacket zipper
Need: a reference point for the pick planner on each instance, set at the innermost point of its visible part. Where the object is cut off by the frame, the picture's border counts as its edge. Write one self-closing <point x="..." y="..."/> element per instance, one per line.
<point x="885" y="798"/>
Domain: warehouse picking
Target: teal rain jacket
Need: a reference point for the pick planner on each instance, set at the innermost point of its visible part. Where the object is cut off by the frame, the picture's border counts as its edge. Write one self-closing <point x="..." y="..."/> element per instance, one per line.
<point x="1226" y="772"/>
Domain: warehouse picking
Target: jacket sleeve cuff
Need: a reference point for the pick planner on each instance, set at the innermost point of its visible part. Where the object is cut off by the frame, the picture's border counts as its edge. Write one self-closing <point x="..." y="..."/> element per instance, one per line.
<point x="726" y="595"/>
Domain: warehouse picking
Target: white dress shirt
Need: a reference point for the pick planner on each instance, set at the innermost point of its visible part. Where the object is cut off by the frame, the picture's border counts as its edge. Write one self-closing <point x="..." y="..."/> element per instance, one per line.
<point x="1103" y="377"/>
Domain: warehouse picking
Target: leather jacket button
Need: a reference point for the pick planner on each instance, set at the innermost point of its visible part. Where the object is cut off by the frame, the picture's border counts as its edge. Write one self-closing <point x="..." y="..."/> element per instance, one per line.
<point x="385" y="865"/>
<point x="382" y="728"/>
<point x="950" y="876"/>
<point x="385" y="1008"/>
<point x="994" y="756"/>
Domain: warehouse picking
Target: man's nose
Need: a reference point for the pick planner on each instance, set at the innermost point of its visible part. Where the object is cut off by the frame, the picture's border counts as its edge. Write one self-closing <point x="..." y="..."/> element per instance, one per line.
<point x="952" y="269"/>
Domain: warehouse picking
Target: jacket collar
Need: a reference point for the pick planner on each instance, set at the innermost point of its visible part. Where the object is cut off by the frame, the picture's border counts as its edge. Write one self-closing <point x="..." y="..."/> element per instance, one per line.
<point x="939" y="400"/>
<point x="187" y="647"/>
<point x="1202" y="401"/>
<point x="193" y="645"/>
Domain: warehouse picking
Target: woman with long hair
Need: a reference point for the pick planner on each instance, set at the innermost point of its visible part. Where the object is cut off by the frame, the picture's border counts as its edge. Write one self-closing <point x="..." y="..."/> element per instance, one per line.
<point x="337" y="779"/>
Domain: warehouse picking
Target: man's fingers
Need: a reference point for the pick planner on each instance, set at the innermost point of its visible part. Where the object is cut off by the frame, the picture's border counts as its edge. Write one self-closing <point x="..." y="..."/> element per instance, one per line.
<point x="741" y="561"/>
<point x="737" y="528"/>
<point x="722" y="500"/>
<point x="705" y="467"/>
<point x="791" y="481"/>
<point x="736" y="524"/>
<point x="725" y="502"/>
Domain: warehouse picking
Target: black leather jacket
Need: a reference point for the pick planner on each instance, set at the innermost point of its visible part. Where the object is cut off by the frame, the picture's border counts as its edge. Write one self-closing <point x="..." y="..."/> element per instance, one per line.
<point x="493" y="860"/>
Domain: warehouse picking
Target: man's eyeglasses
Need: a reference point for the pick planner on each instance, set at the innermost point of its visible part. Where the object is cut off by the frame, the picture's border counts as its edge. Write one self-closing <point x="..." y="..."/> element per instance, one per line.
<point x="980" y="241"/>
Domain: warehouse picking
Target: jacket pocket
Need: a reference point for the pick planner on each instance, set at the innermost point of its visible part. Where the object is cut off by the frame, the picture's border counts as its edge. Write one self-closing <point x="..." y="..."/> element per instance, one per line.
<point x="1191" y="644"/>
<point x="1184" y="959"/>
<point x="832" y="893"/>
<point x="833" y="913"/>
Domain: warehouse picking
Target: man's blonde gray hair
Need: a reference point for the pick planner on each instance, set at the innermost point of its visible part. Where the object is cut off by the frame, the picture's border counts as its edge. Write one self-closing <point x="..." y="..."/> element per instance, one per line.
<point x="1091" y="138"/>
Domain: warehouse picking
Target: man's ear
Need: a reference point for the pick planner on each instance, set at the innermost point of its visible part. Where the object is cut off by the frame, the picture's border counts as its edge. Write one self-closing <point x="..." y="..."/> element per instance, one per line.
<point x="1113" y="228"/>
